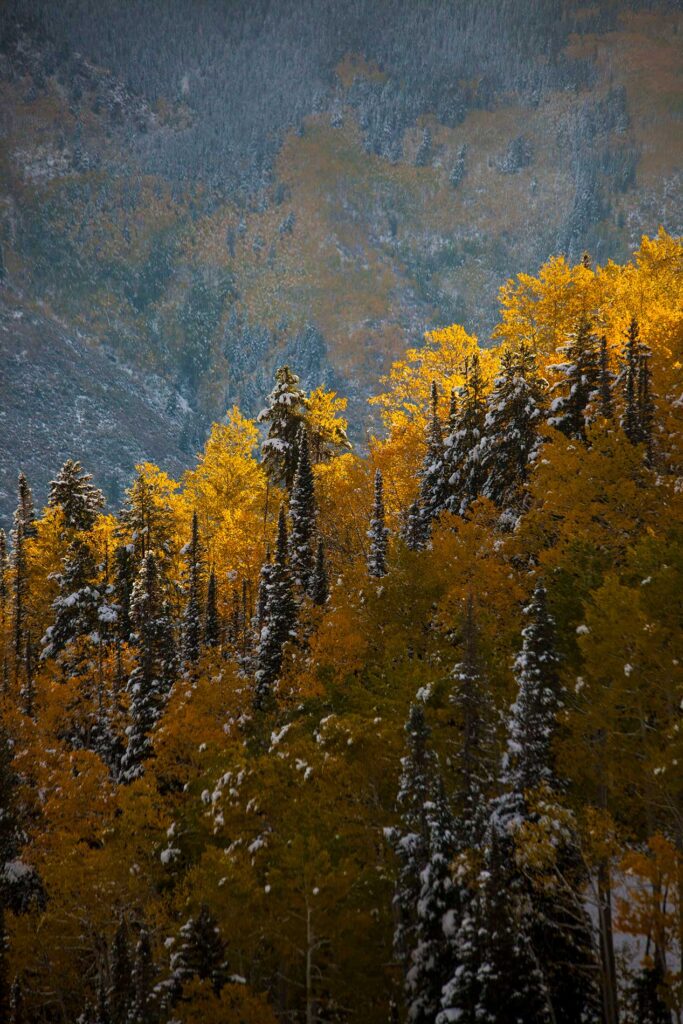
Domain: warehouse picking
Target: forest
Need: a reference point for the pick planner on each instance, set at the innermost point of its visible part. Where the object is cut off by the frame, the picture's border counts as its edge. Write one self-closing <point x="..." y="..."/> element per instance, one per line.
<point x="388" y="733"/>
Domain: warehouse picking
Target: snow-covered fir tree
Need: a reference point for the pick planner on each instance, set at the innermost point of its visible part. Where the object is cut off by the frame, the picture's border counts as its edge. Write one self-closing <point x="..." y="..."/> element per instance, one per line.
<point x="119" y="994"/>
<point x="212" y="627"/>
<point x="279" y="619"/>
<point x="283" y="416"/>
<point x="605" y="381"/>
<point x="578" y="383"/>
<point x="433" y="477"/>
<point x="156" y="666"/>
<point x="302" y="517"/>
<point x="533" y="715"/>
<point x="192" y="614"/>
<point x="124" y="579"/>
<point x="73" y="491"/>
<point x="200" y="953"/>
<point x="25" y="511"/>
<point x="637" y="417"/>
<point x="474" y="727"/>
<point x="430" y="961"/>
<point x="462" y="444"/>
<point x="263" y="589"/>
<point x="511" y="441"/>
<point x="378" y="532"/>
<point x="415" y="528"/>
<point x="16" y="1004"/>
<point x="141" y="1006"/>
<point x="77" y="606"/>
<point x="28" y="689"/>
<point x="319" y="589"/>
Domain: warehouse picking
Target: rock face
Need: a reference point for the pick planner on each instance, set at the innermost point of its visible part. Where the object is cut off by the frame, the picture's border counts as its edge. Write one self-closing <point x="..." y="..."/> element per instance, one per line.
<point x="61" y="398"/>
<point x="203" y="197"/>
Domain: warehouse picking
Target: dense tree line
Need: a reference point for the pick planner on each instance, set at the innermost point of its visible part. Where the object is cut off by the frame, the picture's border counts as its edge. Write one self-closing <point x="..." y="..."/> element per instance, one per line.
<point x="323" y="736"/>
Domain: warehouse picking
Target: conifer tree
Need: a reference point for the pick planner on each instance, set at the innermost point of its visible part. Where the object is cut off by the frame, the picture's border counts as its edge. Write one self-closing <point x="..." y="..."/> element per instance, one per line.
<point x="606" y="381"/>
<point x="142" y="983"/>
<point x="462" y="444"/>
<point x="10" y="841"/>
<point x="511" y="441"/>
<point x="474" y="723"/>
<point x="211" y="620"/>
<point x="433" y="479"/>
<point x="28" y="689"/>
<point x="19" y="591"/>
<point x="630" y="420"/>
<point x="532" y="720"/>
<point x="72" y="490"/>
<point x="415" y="528"/>
<point x="25" y="512"/>
<point x="302" y="516"/>
<point x="511" y="985"/>
<point x="124" y="579"/>
<point x="120" y="993"/>
<point x="263" y="589"/>
<point x="646" y="405"/>
<point x="77" y="606"/>
<point x="378" y="532"/>
<point x="423" y="896"/>
<point x="283" y="416"/>
<point x="17" y="1015"/>
<point x="579" y="381"/>
<point x="192" y="616"/>
<point x="430" y="959"/>
<point x="200" y="953"/>
<point x="153" y="675"/>
<point x="102" y="1014"/>
<point x="319" y="589"/>
<point x="279" y="618"/>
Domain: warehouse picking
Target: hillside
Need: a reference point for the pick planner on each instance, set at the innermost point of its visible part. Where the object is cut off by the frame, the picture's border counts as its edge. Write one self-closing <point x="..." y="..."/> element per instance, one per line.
<point x="206" y="198"/>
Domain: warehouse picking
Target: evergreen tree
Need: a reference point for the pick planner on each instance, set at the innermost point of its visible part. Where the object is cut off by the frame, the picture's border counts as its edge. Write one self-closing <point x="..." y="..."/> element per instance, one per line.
<point x="263" y="589"/>
<point x="630" y="420"/>
<point x="511" y="441"/>
<point x="378" y="533"/>
<point x="646" y="405"/>
<point x="283" y="415"/>
<point x="72" y="490"/>
<point x="319" y="589"/>
<point x="606" y="381"/>
<point x="119" y="995"/>
<point x="430" y="959"/>
<point x="25" y="512"/>
<point x="462" y="444"/>
<point x="415" y="527"/>
<point x="423" y="157"/>
<point x="279" y="618"/>
<point x="4" y="610"/>
<point x="200" y="953"/>
<point x="433" y="478"/>
<point x="77" y="606"/>
<point x="212" y="630"/>
<point x="19" y="589"/>
<point x="474" y="725"/>
<point x="511" y="986"/>
<point x="192" y="616"/>
<point x="10" y="842"/>
<point x="102" y="1014"/>
<point x="141" y="1009"/>
<point x="579" y="381"/>
<point x="28" y="689"/>
<point x="302" y="515"/>
<point x="153" y="675"/>
<point x="124" y="579"/>
<point x="423" y="896"/>
<point x="532" y="720"/>
<point x="16" y="1004"/>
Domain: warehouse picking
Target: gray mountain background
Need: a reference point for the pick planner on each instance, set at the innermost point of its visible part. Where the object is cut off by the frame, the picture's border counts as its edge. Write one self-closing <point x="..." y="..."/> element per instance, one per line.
<point x="193" y="193"/>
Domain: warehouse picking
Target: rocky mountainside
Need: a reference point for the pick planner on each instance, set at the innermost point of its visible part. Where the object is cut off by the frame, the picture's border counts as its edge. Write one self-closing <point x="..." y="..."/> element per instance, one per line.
<point x="203" y="195"/>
